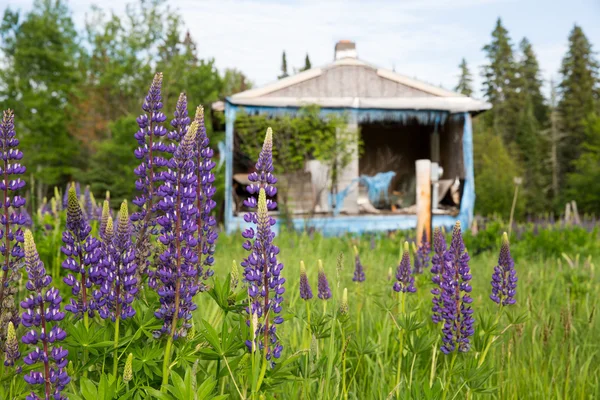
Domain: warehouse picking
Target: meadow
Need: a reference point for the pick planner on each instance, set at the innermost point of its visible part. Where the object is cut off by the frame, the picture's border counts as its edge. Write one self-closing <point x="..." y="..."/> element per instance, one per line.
<point x="161" y="304"/>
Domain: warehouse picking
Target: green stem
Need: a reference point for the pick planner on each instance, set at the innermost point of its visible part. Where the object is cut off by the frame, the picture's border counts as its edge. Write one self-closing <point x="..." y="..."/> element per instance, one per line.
<point x="116" y="356"/>
<point x="402" y="300"/>
<point x="166" y="362"/>
<point x="449" y="377"/>
<point x="86" y="324"/>
<point x="263" y="370"/>
<point x="434" y="354"/>
<point x="343" y="362"/>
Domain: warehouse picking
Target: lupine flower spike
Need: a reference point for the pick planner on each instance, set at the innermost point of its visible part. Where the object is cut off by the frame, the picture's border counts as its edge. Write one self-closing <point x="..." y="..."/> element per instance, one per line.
<point x="422" y="255"/>
<point x="175" y="278"/>
<point x="305" y="289"/>
<point x="504" y="279"/>
<point x="42" y="314"/>
<point x="262" y="271"/>
<point x="104" y="217"/>
<point x="344" y="307"/>
<point x="359" y="271"/>
<point x="457" y="311"/>
<point x="83" y="255"/>
<point x="11" y="347"/>
<point x="323" y="284"/>
<point x="11" y="221"/>
<point x="439" y="263"/>
<point x="405" y="282"/>
<point x="205" y="190"/>
<point x="148" y="173"/>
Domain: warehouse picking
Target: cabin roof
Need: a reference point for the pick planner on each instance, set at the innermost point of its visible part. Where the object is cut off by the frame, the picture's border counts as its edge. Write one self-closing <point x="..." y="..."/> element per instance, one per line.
<point x="353" y="83"/>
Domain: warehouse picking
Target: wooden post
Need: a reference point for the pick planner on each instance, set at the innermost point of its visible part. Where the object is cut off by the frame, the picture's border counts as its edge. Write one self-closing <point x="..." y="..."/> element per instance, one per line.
<point x="423" y="169"/>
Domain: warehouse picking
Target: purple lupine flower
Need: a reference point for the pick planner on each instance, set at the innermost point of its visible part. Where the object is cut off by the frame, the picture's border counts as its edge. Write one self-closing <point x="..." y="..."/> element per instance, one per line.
<point x="148" y="172"/>
<point x="83" y="255"/>
<point x="504" y="279"/>
<point x="305" y="290"/>
<point x="41" y="316"/>
<point x="119" y="286"/>
<point x="359" y="270"/>
<point x="175" y="278"/>
<point x="11" y="220"/>
<point x="179" y="123"/>
<point x="439" y="263"/>
<point x="457" y="311"/>
<point x="405" y="282"/>
<point x="149" y="139"/>
<point x="27" y="220"/>
<point x="207" y="234"/>
<point x="262" y="271"/>
<point x="422" y="255"/>
<point x="323" y="284"/>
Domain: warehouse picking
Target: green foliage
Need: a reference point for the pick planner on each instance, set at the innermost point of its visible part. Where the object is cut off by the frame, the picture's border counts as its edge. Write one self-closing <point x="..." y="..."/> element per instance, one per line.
<point x="579" y="95"/>
<point x="111" y="167"/>
<point x="495" y="171"/>
<point x="584" y="184"/>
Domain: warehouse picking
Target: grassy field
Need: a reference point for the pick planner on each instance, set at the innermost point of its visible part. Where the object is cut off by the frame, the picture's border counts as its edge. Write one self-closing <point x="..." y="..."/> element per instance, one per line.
<point x="544" y="347"/>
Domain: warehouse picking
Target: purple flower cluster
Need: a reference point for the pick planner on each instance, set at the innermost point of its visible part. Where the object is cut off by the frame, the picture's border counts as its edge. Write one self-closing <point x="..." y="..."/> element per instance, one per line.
<point x="422" y="256"/>
<point x="180" y="123"/>
<point x="405" y="282"/>
<point x="207" y="234"/>
<point x="11" y="220"/>
<point x="89" y="205"/>
<point x="439" y="262"/>
<point x="305" y="289"/>
<point x="323" y="284"/>
<point x="175" y="279"/>
<point x="41" y="315"/>
<point x="456" y="301"/>
<point x="359" y="270"/>
<point x="262" y="271"/>
<point x="115" y="294"/>
<point x="66" y="195"/>
<point x="83" y="255"/>
<point x="148" y="152"/>
<point x="504" y="278"/>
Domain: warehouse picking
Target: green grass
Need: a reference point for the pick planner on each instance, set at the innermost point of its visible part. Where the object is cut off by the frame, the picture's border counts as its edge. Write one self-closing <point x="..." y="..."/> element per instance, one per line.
<point x="553" y="353"/>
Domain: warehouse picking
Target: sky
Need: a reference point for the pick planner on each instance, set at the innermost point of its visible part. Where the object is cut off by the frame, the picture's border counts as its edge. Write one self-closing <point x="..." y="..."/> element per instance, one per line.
<point x="424" y="39"/>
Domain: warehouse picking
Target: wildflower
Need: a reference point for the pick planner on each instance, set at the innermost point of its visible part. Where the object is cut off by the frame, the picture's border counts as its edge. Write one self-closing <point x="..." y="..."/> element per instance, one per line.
<point x="344" y="308"/>
<point x="359" y="271"/>
<point x="83" y="254"/>
<point x="118" y="289"/>
<point x="11" y="347"/>
<point x="422" y="255"/>
<point x="438" y="266"/>
<point x="128" y="371"/>
<point x="323" y="284"/>
<point x="405" y="281"/>
<point x="262" y="271"/>
<point x="104" y="217"/>
<point x="175" y="277"/>
<point x="207" y="235"/>
<point x="42" y="310"/>
<point x="179" y="123"/>
<point x="66" y="195"/>
<point x="13" y="218"/>
<point x="457" y="311"/>
<point x="89" y="203"/>
<point x="339" y="268"/>
<point x="504" y="279"/>
<point x="305" y="290"/>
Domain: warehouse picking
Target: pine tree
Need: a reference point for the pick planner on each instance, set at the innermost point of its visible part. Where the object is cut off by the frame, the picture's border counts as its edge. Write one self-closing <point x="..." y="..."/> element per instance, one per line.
<point x="465" y="81"/>
<point x="554" y="137"/>
<point x="578" y="90"/>
<point x="284" y="71"/>
<point x="499" y="84"/>
<point x="307" y="64"/>
<point x="531" y="82"/>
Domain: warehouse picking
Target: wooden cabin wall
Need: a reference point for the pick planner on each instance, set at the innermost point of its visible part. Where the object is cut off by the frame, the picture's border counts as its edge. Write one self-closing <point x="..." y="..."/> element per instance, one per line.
<point x="451" y="149"/>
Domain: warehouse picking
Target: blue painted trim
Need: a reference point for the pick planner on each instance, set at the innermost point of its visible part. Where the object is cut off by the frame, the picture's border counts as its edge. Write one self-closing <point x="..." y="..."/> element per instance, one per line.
<point x="467" y="202"/>
<point x="229" y="124"/>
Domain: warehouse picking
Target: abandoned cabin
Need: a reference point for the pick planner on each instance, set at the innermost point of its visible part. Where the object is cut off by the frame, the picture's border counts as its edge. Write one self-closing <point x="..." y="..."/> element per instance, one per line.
<point x="400" y="120"/>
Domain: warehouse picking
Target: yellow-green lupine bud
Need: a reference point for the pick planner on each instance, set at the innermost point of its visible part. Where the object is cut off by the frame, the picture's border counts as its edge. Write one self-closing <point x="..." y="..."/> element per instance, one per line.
<point x="505" y="238"/>
<point x="11" y="335"/>
<point x="190" y="136"/>
<point x="263" y="218"/>
<point x="269" y="137"/>
<point x="110" y="230"/>
<point x="123" y="215"/>
<point x="31" y="254"/>
<point x="54" y="205"/>
<point x="243" y="364"/>
<point x="355" y="251"/>
<point x="71" y="369"/>
<point x="191" y="332"/>
<point x="57" y="193"/>
<point x="344" y="308"/>
<point x="390" y="273"/>
<point x="414" y="248"/>
<point x="406" y="249"/>
<point x="128" y="371"/>
<point x="199" y="114"/>
<point x="105" y="209"/>
<point x="74" y="212"/>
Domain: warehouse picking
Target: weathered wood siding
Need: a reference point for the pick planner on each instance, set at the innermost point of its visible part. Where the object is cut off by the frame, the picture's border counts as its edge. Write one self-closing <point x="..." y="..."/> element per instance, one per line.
<point x="349" y="81"/>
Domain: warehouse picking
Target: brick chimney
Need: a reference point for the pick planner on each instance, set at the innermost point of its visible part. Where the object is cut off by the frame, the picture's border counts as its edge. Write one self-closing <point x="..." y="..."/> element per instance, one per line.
<point x="345" y="49"/>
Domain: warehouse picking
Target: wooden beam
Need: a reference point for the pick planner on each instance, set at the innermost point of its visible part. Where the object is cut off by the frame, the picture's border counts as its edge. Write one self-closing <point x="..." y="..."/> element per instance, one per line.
<point x="423" y="168"/>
